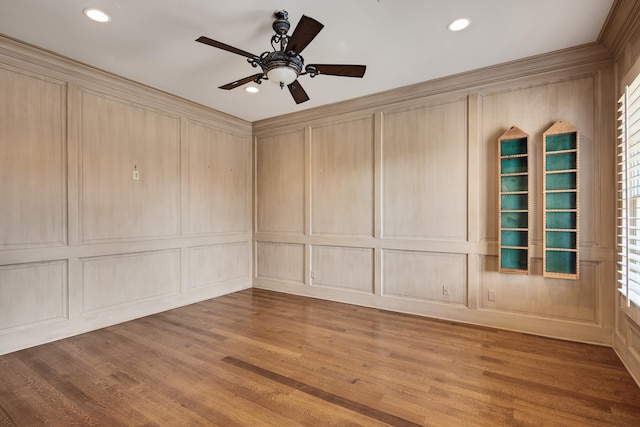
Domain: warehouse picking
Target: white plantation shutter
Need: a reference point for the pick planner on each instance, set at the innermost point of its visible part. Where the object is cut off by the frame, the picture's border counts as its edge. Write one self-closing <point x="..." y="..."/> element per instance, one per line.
<point x="629" y="194"/>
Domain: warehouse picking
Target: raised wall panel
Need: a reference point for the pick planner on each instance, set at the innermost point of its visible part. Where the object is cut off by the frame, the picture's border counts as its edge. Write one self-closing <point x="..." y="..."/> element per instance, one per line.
<point x="219" y="181"/>
<point x="117" y="280"/>
<point x="117" y="138"/>
<point x="280" y="183"/>
<point x="32" y="160"/>
<point x="535" y="109"/>
<point x="424" y="172"/>
<point x="342" y="178"/>
<point x="209" y="265"/>
<point x="536" y="295"/>
<point x="634" y="340"/>
<point x="425" y="276"/>
<point x="32" y="293"/>
<point x="280" y="261"/>
<point x="342" y="268"/>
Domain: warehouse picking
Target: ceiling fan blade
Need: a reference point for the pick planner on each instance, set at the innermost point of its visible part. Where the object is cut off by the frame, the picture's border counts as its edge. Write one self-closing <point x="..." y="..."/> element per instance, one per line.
<point x="340" y="70"/>
<point x="298" y="93"/>
<point x="306" y="30"/>
<point x="240" y="82"/>
<point x="220" y="45"/>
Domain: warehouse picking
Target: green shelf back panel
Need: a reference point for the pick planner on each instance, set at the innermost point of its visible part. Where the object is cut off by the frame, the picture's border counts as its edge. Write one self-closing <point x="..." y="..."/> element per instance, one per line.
<point x="513" y="165"/>
<point x="561" y="181"/>
<point x="563" y="141"/>
<point x="514" y="183"/>
<point x="514" y="202"/>
<point x="515" y="259"/>
<point x="561" y="220"/>
<point x="514" y="219"/>
<point x="561" y="262"/>
<point x="514" y="175"/>
<point x="561" y="239"/>
<point x="561" y="161"/>
<point x="561" y="200"/>
<point x="560" y="185"/>
<point x="514" y="238"/>
<point x="513" y="147"/>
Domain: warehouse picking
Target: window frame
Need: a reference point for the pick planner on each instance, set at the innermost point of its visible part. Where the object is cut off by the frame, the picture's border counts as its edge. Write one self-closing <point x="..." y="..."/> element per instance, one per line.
<point x="628" y="188"/>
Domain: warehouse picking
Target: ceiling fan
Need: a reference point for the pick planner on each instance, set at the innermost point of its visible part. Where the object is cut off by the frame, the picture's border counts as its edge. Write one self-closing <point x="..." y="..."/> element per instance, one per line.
<point x="284" y="64"/>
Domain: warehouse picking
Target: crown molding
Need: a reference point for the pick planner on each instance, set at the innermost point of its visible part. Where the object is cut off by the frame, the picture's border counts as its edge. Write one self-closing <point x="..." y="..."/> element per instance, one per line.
<point x="566" y="63"/>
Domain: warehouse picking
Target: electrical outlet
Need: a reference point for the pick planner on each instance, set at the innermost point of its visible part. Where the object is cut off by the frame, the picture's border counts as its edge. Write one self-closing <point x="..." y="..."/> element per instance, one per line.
<point x="313" y="274"/>
<point x="445" y="290"/>
<point x="492" y="296"/>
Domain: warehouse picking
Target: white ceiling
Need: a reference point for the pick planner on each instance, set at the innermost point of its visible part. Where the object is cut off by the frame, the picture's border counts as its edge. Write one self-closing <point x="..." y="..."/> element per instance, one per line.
<point x="401" y="41"/>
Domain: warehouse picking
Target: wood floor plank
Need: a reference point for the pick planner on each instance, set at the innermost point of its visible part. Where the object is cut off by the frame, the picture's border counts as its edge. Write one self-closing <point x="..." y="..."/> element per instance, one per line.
<point x="269" y="359"/>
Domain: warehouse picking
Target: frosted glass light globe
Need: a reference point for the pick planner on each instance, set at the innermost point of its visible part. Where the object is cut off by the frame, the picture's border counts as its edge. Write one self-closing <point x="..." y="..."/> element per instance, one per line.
<point x="282" y="75"/>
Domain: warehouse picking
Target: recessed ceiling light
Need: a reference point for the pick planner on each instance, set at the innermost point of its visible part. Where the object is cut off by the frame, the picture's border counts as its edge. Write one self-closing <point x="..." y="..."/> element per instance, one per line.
<point x="252" y="89"/>
<point x="96" y="15"/>
<point x="459" y="24"/>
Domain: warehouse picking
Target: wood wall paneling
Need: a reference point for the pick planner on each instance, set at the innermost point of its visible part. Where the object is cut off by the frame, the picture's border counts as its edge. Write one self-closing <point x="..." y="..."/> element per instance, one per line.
<point x="83" y="244"/>
<point x="342" y="178"/>
<point x="634" y="340"/>
<point x="219" y="181"/>
<point x="425" y="276"/>
<point x="627" y="338"/>
<point x="119" y="137"/>
<point x="575" y="300"/>
<point x="280" y="183"/>
<point x="280" y="261"/>
<point x="127" y="278"/>
<point x="32" y="293"/>
<point x="209" y="265"/>
<point x="424" y="172"/>
<point x="32" y="160"/>
<point x="434" y="212"/>
<point x="534" y="109"/>
<point x="630" y="313"/>
<point x="342" y="268"/>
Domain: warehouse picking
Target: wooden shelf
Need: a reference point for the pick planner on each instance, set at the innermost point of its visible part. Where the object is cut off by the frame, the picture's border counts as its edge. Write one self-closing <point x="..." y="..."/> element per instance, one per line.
<point x="514" y="201"/>
<point x="560" y="202"/>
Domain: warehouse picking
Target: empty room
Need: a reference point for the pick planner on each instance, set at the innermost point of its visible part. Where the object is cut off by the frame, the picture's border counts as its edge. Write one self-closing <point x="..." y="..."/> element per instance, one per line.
<point x="297" y="213"/>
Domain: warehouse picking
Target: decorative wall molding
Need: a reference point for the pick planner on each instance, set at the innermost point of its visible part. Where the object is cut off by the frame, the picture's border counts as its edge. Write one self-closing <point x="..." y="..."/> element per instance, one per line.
<point x="106" y="247"/>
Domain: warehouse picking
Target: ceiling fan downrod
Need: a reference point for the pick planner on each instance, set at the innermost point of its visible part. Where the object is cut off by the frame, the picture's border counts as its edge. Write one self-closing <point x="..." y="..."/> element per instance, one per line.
<point x="281" y="27"/>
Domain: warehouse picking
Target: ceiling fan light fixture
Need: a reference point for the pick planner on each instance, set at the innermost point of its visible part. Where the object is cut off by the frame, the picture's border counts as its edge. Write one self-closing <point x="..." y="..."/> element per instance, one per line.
<point x="282" y="75"/>
<point x="96" y="15"/>
<point x="252" y="89"/>
<point x="459" y="24"/>
<point x="281" y="68"/>
<point x="284" y="64"/>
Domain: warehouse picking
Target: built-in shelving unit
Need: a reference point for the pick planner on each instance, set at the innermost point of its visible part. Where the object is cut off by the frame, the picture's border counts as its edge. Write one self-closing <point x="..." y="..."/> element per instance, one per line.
<point x="560" y="202"/>
<point x="513" y="171"/>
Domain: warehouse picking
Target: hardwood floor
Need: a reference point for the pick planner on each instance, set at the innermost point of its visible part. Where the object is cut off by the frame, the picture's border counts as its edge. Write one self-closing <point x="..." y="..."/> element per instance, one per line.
<point x="259" y="358"/>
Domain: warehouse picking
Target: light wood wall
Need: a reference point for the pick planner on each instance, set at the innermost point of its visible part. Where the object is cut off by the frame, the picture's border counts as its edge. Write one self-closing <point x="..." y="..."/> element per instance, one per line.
<point x="391" y="200"/>
<point x="82" y="244"/>
<point x="622" y="37"/>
